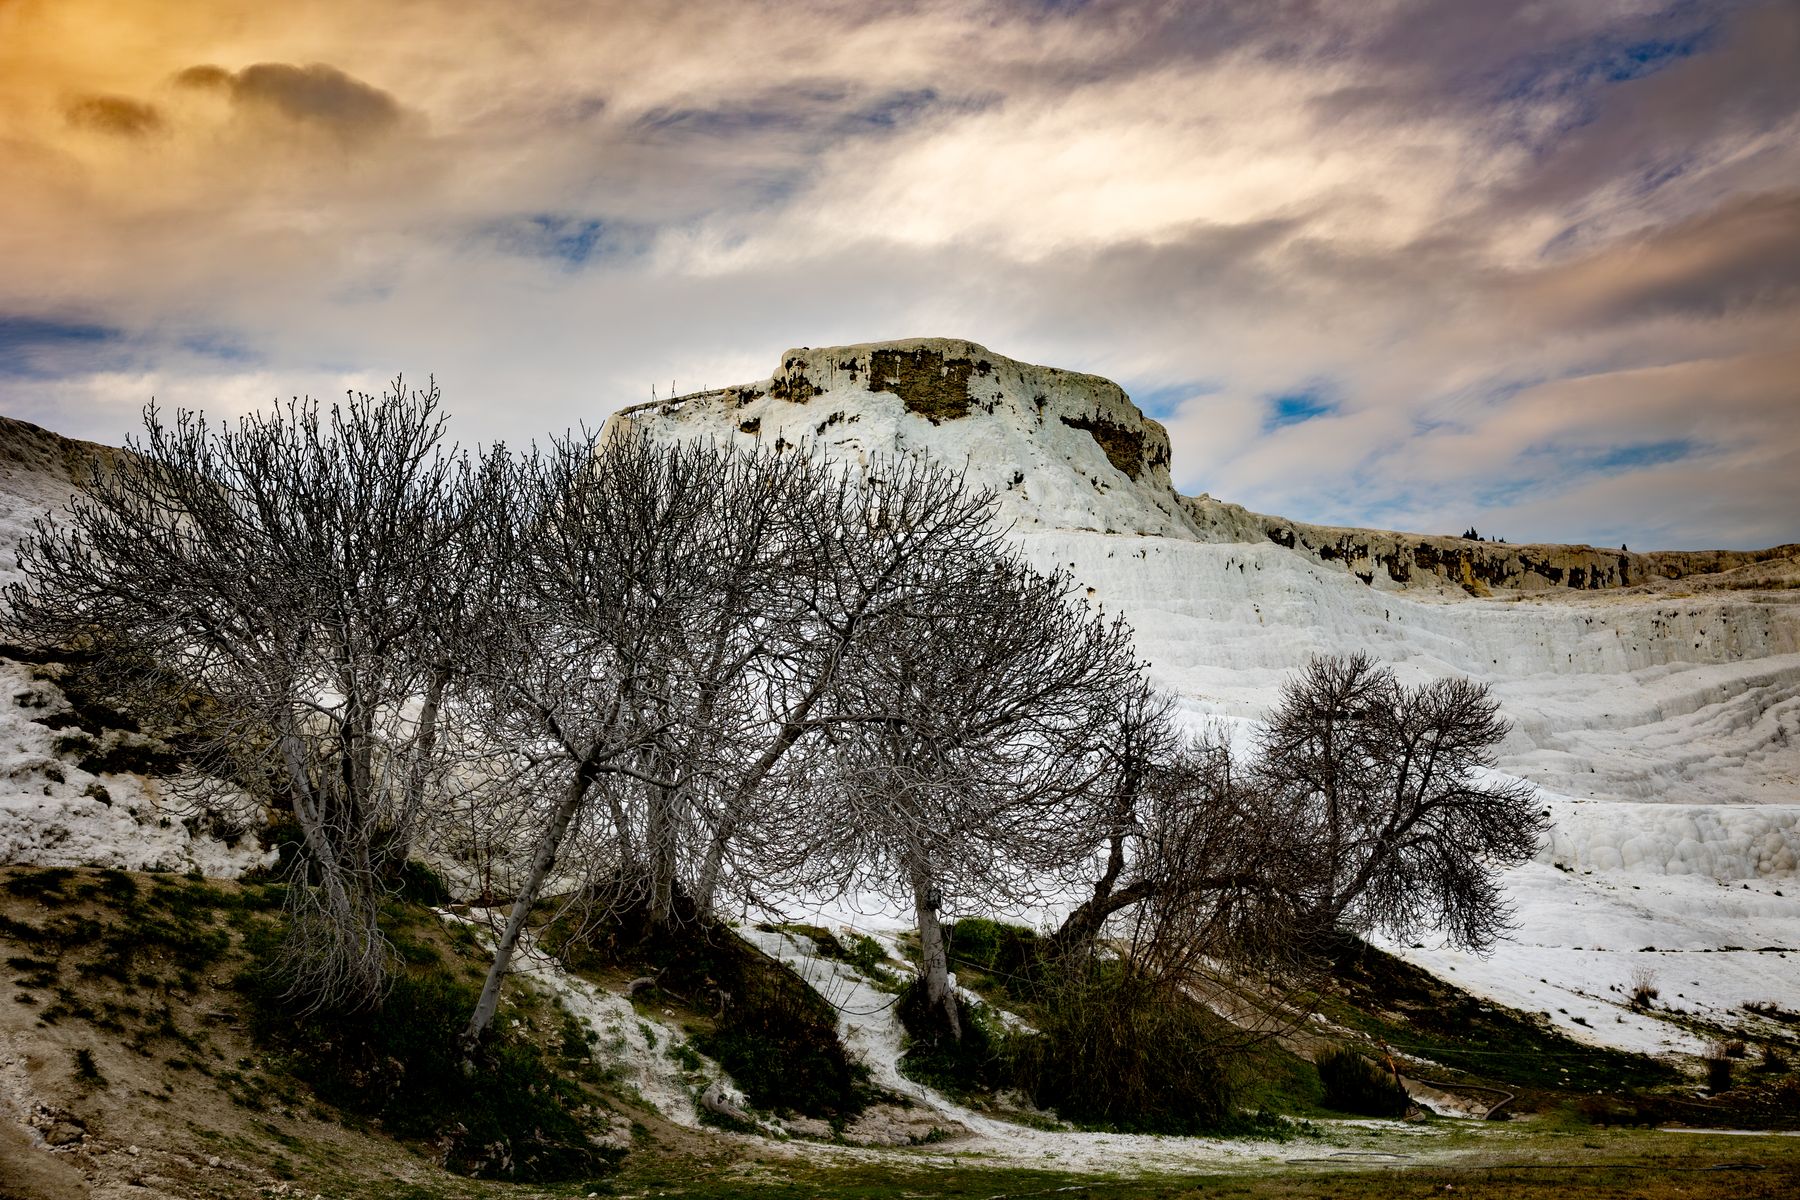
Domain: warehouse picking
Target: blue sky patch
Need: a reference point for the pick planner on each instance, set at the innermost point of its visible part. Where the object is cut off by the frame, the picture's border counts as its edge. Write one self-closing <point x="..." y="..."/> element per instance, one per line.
<point x="723" y="122"/>
<point x="574" y="241"/>
<point x="32" y="346"/>
<point x="1296" y="408"/>
<point x="1633" y="60"/>
<point x="893" y="109"/>
<point x="1645" y="454"/>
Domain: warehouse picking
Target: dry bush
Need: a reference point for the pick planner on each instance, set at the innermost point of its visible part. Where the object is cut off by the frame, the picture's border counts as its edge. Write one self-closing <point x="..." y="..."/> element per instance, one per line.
<point x="1643" y="990"/>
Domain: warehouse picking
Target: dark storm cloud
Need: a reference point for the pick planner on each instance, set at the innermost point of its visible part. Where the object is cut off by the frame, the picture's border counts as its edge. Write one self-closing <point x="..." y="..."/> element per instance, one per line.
<point x="114" y="114"/>
<point x="317" y="94"/>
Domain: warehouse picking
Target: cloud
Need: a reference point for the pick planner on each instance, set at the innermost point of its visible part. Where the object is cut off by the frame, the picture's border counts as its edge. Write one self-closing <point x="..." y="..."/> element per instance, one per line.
<point x="1530" y="267"/>
<point x="40" y="348"/>
<point x="119" y="115"/>
<point x="317" y="94"/>
<point x="1744" y="253"/>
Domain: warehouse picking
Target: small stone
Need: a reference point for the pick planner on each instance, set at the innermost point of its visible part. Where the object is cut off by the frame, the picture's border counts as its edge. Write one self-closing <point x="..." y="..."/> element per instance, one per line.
<point x="63" y="1133"/>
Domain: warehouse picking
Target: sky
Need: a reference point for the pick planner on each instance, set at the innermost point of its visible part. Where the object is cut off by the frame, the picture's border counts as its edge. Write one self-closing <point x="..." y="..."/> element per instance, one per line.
<point x="1531" y="267"/>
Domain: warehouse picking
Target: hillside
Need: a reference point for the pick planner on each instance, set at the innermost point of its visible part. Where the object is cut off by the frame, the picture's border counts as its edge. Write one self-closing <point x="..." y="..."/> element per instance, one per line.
<point x="1655" y="705"/>
<point x="38" y="470"/>
<point x="74" y="788"/>
<point x="1655" y="697"/>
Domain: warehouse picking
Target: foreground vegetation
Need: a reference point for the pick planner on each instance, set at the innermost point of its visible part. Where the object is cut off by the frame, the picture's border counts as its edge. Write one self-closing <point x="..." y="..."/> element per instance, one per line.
<point x="153" y="1001"/>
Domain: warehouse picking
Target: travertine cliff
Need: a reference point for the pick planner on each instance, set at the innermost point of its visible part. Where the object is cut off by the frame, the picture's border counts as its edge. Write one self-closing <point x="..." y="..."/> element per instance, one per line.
<point x="1071" y="451"/>
<point x="1063" y="449"/>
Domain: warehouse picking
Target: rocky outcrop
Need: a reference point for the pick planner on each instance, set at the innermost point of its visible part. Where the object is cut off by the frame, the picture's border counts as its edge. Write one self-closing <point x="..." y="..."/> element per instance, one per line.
<point x="1061" y="448"/>
<point x="1386" y="558"/>
<point x="30" y="449"/>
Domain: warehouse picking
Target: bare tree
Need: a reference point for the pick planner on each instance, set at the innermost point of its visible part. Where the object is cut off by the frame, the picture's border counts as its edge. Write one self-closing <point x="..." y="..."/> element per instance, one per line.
<point x="861" y="539"/>
<point x="1222" y="893"/>
<point x="1386" y="781"/>
<point x="572" y="678"/>
<point x="1363" y="808"/>
<point x="274" y="586"/>
<point x="969" y="738"/>
<point x="676" y="613"/>
<point x="1143" y="747"/>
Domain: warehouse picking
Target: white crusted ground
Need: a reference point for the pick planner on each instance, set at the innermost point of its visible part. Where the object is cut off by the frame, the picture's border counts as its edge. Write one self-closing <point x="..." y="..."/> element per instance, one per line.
<point x="1662" y="729"/>
<point x="53" y="813"/>
<point x="871" y="1032"/>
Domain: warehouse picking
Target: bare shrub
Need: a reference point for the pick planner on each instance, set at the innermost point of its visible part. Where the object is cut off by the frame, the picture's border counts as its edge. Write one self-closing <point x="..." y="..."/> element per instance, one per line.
<point x="1718" y="1067"/>
<point x="1356" y="1085"/>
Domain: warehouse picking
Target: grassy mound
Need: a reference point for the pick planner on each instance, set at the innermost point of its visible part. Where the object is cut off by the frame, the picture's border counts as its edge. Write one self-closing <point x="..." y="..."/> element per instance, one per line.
<point x="1414" y="1011"/>
<point x="1116" y="1050"/>
<point x="772" y="1033"/>
<point x="511" y="1117"/>
<point x="148" y="975"/>
<point x="522" y="1109"/>
<point x="1106" y="1047"/>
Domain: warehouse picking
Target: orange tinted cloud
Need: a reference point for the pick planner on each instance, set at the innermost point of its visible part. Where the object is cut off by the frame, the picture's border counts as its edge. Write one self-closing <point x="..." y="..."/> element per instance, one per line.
<point x="114" y="114"/>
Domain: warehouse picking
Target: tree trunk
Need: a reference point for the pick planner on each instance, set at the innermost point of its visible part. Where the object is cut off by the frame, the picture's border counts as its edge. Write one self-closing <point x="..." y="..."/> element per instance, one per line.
<point x="1083" y="925"/>
<point x="424" y="745"/>
<point x="934" y="959"/>
<point x="793" y="727"/>
<point x="542" y="859"/>
<point x="660" y="848"/>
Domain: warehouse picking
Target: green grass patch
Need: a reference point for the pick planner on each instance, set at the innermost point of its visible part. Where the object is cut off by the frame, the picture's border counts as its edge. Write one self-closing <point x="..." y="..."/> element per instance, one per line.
<point x="1011" y="957"/>
<point x="1415" y="1012"/>
<point x="45" y="886"/>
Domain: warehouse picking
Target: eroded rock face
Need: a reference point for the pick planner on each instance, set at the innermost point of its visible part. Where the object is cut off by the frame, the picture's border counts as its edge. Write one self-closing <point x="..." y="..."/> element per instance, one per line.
<point x="1385" y="558"/>
<point x="1062" y="449"/>
<point x="928" y="383"/>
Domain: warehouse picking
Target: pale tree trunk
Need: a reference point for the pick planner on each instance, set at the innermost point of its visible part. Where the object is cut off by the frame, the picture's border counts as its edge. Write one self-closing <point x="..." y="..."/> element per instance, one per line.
<point x="934" y="958"/>
<point x="309" y="815"/>
<point x="542" y="860"/>
<point x="424" y="745"/>
<point x="793" y="727"/>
